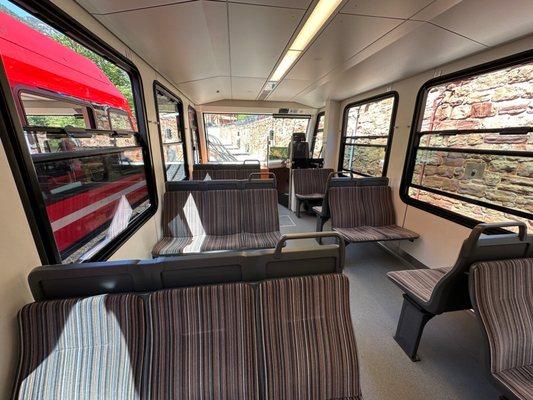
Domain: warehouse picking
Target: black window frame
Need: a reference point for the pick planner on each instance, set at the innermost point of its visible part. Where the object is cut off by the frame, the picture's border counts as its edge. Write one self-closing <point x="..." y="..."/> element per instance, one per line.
<point x="415" y="134"/>
<point x="195" y="136"/>
<point x="19" y="158"/>
<point x="382" y="96"/>
<point x="158" y="86"/>
<point x="321" y="114"/>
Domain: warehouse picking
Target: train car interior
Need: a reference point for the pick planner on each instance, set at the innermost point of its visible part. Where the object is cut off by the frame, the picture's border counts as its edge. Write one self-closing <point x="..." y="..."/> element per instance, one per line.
<point x="266" y="199"/>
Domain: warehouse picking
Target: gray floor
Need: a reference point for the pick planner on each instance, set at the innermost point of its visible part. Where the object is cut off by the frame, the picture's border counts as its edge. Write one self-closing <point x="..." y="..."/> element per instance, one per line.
<point x="450" y="366"/>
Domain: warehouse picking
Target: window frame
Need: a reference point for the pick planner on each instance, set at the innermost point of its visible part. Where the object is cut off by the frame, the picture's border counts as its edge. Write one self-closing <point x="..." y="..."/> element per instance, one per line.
<point x="321" y="114"/>
<point x="382" y="96"/>
<point x="19" y="158"/>
<point x="158" y="86"/>
<point x="192" y="111"/>
<point x="415" y="133"/>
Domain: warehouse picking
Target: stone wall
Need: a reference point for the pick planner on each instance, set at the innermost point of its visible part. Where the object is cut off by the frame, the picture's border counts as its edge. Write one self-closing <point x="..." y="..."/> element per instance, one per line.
<point x="496" y="100"/>
<point x="372" y="119"/>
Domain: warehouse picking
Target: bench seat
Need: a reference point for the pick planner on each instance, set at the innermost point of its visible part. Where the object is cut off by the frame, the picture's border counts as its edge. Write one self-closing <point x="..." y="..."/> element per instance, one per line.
<point x="184" y="245"/>
<point x="418" y="282"/>
<point x="376" y="233"/>
<point x="518" y="380"/>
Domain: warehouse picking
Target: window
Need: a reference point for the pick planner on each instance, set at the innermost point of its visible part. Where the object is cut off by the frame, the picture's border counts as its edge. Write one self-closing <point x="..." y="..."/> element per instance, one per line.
<point x="81" y="165"/>
<point x="368" y="126"/>
<point x="195" y="132"/>
<point x="170" y="121"/>
<point x="240" y="137"/>
<point x="318" y="137"/>
<point x="471" y="145"/>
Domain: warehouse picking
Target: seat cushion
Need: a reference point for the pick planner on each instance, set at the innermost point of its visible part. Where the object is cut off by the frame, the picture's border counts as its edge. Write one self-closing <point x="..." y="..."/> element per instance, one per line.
<point x="518" y="380"/>
<point x="263" y="240"/>
<point x="82" y="349"/>
<point x="168" y="246"/>
<point x="317" y="210"/>
<point x="308" y="339"/>
<point x="310" y="196"/>
<point x="203" y="343"/>
<point x="418" y="283"/>
<point x="376" y="233"/>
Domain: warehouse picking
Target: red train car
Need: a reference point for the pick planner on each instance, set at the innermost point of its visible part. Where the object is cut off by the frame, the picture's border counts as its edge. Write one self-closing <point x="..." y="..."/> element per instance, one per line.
<point x="83" y="186"/>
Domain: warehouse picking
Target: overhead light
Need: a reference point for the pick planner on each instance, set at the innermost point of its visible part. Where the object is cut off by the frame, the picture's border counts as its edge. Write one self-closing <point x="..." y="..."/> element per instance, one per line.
<point x="316" y="20"/>
<point x="288" y="59"/>
<point x="321" y="13"/>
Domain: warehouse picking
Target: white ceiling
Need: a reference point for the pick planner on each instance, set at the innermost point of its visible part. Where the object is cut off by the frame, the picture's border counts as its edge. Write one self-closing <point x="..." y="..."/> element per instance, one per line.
<point x="215" y="49"/>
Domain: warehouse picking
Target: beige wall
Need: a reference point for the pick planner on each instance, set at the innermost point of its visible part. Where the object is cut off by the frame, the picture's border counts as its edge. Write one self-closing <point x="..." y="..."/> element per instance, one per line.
<point x="440" y="239"/>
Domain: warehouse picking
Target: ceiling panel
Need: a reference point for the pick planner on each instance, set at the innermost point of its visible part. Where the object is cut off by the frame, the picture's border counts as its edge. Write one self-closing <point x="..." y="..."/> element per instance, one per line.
<point x="207" y="90"/>
<point x="385" y="8"/>
<point x="288" y="88"/>
<point x="344" y="37"/>
<point x="186" y="41"/>
<point x="425" y="48"/>
<point x="258" y="37"/>
<point x="302" y="4"/>
<point x="482" y="20"/>
<point x="109" y="6"/>
<point x="246" y="88"/>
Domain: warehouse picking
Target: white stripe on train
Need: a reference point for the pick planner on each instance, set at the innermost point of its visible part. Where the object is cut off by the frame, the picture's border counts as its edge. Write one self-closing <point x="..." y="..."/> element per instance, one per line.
<point x="83" y="212"/>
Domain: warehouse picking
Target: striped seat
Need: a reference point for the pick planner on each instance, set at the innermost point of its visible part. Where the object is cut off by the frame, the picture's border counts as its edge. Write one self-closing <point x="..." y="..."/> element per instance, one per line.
<point x="309" y="185"/>
<point x="502" y="294"/>
<point x="82" y="349"/>
<point x="307" y="334"/>
<point x="215" y="220"/>
<point x="418" y="282"/>
<point x="203" y="343"/>
<point x="365" y="214"/>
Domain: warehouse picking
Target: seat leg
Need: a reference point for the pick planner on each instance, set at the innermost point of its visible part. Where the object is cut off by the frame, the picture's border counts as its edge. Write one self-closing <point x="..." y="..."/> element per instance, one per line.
<point x="411" y="324"/>
<point x="320" y="222"/>
<point x="298" y="206"/>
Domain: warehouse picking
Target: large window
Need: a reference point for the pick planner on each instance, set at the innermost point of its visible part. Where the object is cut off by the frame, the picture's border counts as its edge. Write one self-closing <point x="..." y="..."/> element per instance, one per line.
<point x="170" y="121"/>
<point x="240" y="137"/>
<point x="80" y="160"/>
<point x="318" y="136"/>
<point x="471" y="146"/>
<point x="368" y="126"/>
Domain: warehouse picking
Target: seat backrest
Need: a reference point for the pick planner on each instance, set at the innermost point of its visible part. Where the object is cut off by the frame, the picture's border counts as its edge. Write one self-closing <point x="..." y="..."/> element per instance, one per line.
<point x="89" y="279"/>
<point x="203" y="343"/>
<point x="182" y="214"/>
<point x="502" y="295"/>
<point x="451" y="292"/>
<point x="356" y="206"/>
<point x="307" y="338"/>
<point x="222" y="212"/>
<point x="310" y="180"/>
<point x="65" y="345"/>
<point x="226" y="171"/>
<point x="350" y="181"/>
<point x="260" y="210"/>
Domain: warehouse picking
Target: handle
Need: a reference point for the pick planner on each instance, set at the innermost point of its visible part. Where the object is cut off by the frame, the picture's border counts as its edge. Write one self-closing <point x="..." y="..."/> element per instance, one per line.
<point x="252" y="161"/>
<point x="310" y="235"/>
<point x="480" y="228"/>
<point x="270" y="175"/>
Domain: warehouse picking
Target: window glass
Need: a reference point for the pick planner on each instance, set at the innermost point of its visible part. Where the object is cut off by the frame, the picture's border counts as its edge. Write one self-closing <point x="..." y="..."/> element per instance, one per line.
<point x="240" y="137"/>
<point x="471" y="157"/>
<point x="318" y="137"/>
<point x="169" y="110"/>
<point x="120" y="121"/>
<point x="93" y="183"/>
<point x="53" y="112"/>
<point x="368" y="126"/>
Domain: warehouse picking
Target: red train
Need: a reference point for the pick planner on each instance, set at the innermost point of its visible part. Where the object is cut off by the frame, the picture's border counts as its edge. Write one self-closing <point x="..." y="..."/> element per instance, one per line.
<point x="52" y="84"/>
